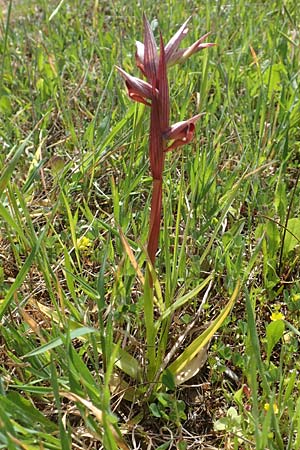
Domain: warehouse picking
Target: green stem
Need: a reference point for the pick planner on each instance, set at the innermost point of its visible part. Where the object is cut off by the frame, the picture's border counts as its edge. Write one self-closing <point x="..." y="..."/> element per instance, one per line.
<point x="149" y="323"/>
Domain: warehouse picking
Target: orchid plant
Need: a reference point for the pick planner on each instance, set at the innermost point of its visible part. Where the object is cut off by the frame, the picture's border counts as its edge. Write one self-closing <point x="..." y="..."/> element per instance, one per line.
<point x="154" y="92"/>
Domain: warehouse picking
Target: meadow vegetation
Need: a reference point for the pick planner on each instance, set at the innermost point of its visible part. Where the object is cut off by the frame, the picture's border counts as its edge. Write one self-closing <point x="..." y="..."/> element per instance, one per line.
<point x="101" y="347"/>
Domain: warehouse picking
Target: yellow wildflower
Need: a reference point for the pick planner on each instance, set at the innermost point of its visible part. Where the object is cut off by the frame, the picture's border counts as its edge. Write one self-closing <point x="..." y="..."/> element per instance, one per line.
<point x="277" y="315"/>
<point x="275" y="407"/>
<point x="295" y="297"/>
<point x="83" y="243"/>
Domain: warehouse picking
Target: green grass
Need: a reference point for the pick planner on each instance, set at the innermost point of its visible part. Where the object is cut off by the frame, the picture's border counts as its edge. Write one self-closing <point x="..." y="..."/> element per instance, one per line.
<point x="74" y="170"/>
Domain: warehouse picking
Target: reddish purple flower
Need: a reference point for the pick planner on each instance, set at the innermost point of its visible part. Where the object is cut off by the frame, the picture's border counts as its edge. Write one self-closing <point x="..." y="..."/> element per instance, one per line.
<point x="173" y="55"/>
<point x="182" y="132"/>
<point x="137" y="89"/>
<point x="155" y="93"/>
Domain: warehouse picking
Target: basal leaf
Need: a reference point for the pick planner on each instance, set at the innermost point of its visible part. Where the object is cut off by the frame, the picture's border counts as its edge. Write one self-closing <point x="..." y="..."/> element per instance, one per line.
<point x="183" y="363"/>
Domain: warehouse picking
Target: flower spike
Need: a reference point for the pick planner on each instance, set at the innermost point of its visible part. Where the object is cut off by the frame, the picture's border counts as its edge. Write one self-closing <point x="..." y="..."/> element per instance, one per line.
<point x="155" y="93"/>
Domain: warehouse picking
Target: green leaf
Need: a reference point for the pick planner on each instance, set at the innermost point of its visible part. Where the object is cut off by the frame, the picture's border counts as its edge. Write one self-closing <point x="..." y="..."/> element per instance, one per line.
<point x="58" y="341"/>
<point x="292" y="237"/>
<point x="10" y="220"/>
<point x="273" y="237"/>
<point x="15" y="155"/>
<point x="126" y="362"/>
<point x="154" y="410"/>
<point x="181" y="364"/>
<point x="274" y="333"/>
<point x="22" y="409"/>
<point x="5" y="105"/>
<point x="21" y="276"/>
<point x="164" y="446"/>
<point x="273" y="77"/>
<point x="184" y="299"/>
<point x="182" y="445"/>
<point x="149" y="324"/>
<point x="168" y="380"/>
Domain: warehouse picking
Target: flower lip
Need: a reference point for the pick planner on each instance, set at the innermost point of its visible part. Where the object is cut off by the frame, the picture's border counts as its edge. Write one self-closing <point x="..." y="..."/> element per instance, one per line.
<point x="176" y="129"/>
<point x="138" y="90"/>
<point x="181" y="133"/>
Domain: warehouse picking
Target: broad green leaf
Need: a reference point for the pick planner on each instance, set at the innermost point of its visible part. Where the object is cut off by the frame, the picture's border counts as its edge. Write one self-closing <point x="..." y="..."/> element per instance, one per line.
<point x="164" y="446"/>
<point x="184" y="299"/>
<point x="273" y="77"/>
<point x="23" y="409"/>
<point x="273" y="238"/>
<point x="274" y="333"/>
<point x="4" y="417"/>
<point x="181" y="364"/>
<point x="168" y="380"/>
<point x="127" y="363"/>
<point x="154" y="410"/>
<point x="292" y="237"/>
